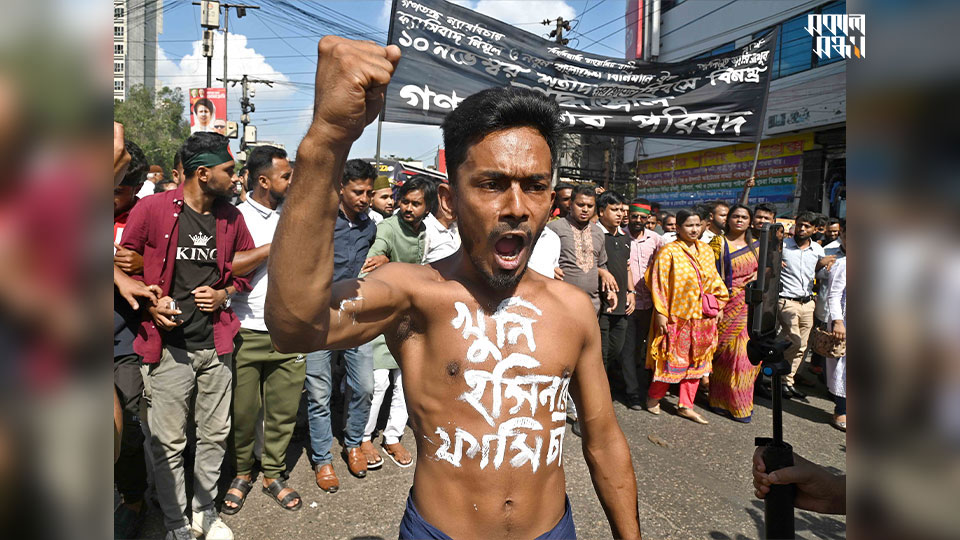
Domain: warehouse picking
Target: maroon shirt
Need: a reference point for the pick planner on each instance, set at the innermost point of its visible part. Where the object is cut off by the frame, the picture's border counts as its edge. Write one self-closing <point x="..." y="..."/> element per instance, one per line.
<point x="152" y="230"/>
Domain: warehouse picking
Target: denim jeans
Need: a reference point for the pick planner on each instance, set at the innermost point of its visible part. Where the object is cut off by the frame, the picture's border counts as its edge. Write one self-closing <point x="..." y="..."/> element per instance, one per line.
<point x="319" y="382"/>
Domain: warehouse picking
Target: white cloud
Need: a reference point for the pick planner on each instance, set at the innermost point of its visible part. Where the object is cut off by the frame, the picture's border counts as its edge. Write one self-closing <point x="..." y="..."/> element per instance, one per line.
<point x="191" y="70"/>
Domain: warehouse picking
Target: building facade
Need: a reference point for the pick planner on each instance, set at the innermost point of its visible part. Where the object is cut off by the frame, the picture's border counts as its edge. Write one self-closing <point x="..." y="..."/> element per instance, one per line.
<point x="802" y="164"/>
<point x="137" y="26"/>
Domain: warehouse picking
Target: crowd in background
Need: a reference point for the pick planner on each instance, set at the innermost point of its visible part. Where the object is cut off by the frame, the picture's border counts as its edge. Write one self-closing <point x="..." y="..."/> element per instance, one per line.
<point x="195" y="369"/>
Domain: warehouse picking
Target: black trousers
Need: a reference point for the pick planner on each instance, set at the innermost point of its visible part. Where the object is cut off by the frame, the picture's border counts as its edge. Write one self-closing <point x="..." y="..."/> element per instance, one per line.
<point x="634" y="353"/>
<point x="130" y="470"/>
<point x="613" y="332"/>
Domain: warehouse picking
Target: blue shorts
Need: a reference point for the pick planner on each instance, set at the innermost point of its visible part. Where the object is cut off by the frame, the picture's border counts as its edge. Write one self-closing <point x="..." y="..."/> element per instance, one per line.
<point x="414" y="527"/>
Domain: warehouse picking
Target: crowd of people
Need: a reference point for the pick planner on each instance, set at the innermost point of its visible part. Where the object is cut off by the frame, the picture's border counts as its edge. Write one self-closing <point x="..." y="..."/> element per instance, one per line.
<point x="215" y="286"/>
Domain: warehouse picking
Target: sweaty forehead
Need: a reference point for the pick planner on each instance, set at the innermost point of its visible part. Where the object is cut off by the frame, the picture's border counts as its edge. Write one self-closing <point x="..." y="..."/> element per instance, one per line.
<point x="516" y="152"/>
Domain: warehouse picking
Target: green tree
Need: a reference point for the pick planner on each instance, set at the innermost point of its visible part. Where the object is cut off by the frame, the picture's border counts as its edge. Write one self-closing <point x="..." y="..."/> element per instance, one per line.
<point x="155" y="121"/>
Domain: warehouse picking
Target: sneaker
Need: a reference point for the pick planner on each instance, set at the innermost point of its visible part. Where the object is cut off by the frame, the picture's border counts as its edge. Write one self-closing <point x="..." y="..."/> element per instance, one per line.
<point x="183" y="533"/>
<point x="209" y="525"/>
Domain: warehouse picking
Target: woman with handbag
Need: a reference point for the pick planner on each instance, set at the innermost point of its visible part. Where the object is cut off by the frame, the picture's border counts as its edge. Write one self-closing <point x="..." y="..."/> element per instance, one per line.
<point x="688" y="296"/>
<point x="731" y="383"/>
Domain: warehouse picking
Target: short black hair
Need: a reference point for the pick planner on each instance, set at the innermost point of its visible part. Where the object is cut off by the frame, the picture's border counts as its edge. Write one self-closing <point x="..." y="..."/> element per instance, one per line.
<point x="701" y="210"/>
<point x="833" y="221"/>
<point x="820" y="221"/>
<point x="765" y="207"/>
<point x="260" y="161"/>
<point x="843" y="224"/>
<point x="666" y="215"/>
<point x="357" y="169"/>
<point x="584" y="189"/>
<point x="496" y="109"/>
<point x="178" y="158"/>
<point x="807" y="217"/>
<point x="138" y="168"/>
<point x="607" y="198"/>
<point x="422" y="183"/>
<point x="563" y="185"/>
<point x="654" y="207"/>
<point x="205" y="102"/>
<point x="712" y="205"/>
<point x="198" y="143"/>
<point x="159" y="188"/>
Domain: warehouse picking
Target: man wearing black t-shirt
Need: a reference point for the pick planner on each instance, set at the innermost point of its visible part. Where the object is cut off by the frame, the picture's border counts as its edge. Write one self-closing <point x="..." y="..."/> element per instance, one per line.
<point x="188" y="238"/>
<point x="613" y="322"/>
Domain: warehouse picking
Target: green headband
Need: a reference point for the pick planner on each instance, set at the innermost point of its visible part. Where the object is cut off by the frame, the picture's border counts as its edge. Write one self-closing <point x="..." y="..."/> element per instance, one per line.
<point x="208" y="159"/>
<point x="642" y="208"/>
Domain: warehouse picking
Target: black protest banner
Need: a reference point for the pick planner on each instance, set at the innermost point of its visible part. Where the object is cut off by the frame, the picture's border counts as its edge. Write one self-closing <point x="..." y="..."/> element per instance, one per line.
<point x="450" y="52"/>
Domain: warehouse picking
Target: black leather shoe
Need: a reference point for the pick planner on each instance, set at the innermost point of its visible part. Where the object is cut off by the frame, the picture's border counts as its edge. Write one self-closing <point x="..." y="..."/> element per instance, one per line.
<point x="634" y="403"/>
<point x="791" y="391"/>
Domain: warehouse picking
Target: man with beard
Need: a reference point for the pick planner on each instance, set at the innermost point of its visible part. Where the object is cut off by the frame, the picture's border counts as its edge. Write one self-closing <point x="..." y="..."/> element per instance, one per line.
<point x="353" y="235"/>
<point x="716" y="220"/>
<point x="489" y="453"/>
<point x="802" y="259"/>
<point x="644" y="244"/>
<point x="257" y="365"/>
<point x="381" y="205"/>
<point x="187" y="238"/>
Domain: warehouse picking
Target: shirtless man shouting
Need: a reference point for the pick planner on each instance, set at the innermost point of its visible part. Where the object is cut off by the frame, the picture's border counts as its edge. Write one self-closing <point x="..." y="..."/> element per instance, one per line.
<point x="488" y="351"/>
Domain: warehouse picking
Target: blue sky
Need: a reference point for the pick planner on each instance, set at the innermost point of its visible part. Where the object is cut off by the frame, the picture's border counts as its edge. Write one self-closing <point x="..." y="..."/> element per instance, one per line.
<point x="278" y="44"/>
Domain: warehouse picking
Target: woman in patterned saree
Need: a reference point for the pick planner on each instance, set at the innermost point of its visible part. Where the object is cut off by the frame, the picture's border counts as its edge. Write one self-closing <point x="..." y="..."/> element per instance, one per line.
<point x="731" y="384"/>
<point x="686" y="291"/>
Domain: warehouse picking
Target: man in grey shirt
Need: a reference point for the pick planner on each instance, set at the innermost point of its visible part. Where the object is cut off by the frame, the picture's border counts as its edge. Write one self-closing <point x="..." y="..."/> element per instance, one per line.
<point x="583" y="258"/>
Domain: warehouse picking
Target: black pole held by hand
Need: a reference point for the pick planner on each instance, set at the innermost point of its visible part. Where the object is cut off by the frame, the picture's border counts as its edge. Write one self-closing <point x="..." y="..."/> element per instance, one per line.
<point x="765" y="349"/>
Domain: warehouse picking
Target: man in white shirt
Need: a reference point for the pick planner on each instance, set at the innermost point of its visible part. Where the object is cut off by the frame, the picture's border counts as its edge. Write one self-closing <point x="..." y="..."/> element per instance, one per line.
<point x="716" y="221"/>
<point x="256" y="362"/>
<point x="441" y="237"/>
<point x="545" y="257"/>
<point x="154" y="177"/>
<point x="802" y="259"/>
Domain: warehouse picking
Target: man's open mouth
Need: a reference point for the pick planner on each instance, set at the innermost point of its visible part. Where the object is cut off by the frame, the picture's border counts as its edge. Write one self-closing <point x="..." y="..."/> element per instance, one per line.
<point x="507" y="250"/>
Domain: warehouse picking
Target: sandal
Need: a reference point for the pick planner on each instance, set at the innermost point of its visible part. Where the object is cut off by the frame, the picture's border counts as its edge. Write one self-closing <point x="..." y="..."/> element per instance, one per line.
<point x="274" y="490"/>
<point x="374" y="461"/>
<point x="653" y="406"/>
<point x="691" y="414"/>
<point x="398" y="454"/>
<point x="241" y="485"/>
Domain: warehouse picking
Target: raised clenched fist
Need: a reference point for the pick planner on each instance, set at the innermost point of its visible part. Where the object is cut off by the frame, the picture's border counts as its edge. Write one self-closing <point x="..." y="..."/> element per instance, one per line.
<point x="352" y="77"/>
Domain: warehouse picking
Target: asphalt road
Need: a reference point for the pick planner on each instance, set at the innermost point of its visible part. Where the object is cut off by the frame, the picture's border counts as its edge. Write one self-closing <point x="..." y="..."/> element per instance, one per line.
<point x="693" y="481"/>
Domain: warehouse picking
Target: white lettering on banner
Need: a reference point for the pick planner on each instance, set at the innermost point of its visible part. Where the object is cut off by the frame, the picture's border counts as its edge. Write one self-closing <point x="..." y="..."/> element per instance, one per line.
<point x="592" y="120"/>
<point x="518" y="394"/>
<point x="431" y="25"/>
<point x="457" y="56"/>
<point x="606" y="63"/>
<point x="578" y="71"/>
<point x="421" y="96"/>
<point x="432" y="13"/>
<point x="684" y="122"/>
<point x="483" y="46"/>
<point x="731" y="75"/>
<point x="475" y="28"/>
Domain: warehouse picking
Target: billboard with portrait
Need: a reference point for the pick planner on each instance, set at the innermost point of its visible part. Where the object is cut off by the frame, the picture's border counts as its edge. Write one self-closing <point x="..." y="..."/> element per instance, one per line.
<point x="208" y="110"/>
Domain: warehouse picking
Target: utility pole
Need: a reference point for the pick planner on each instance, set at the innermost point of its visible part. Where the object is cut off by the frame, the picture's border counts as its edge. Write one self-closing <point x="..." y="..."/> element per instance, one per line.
<point x="246" y="106"/>
<point x="557" y="33"/>
<point x="213" y="21"/>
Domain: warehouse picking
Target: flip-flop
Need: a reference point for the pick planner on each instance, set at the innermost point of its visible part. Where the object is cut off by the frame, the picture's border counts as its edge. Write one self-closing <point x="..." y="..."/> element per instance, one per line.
<point x="240" y="485"/>
<point x="274" y="490"/>
<point x="842" y="426"/>
<point x="390" y="452"/>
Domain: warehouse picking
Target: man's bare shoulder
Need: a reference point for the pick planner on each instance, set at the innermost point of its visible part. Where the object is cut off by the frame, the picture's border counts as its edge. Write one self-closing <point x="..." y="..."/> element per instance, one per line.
<point x="570" y="298"/>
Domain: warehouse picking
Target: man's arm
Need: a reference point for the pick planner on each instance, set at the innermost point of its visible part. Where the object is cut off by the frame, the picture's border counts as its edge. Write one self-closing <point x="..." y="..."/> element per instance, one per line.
<point x="604" y="446"/>
<point x="245" y="262"/>
<point x="752" y="181"/>
<point x="351" y="79"/>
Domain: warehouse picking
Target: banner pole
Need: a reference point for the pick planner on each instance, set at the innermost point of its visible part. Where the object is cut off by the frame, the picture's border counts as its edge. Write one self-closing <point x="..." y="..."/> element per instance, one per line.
<point x="383" y="110"/>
